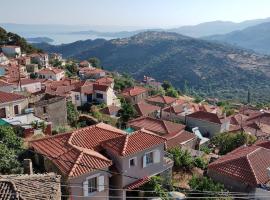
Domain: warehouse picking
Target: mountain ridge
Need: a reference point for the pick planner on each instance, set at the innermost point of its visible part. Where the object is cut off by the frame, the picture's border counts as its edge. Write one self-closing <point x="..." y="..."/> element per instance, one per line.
<point x="209" y="68"/>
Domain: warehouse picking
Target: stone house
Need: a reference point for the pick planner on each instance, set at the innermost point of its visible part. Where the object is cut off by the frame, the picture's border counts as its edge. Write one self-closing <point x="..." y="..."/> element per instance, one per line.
<point x="52" y="109"/>
<point x="246" y="169"/>
<point x="30" y="186"/>
<point x="12" y="104"/>
<point x="91" y="73"/>
<point x="145" y="109"/>
<point x="162" y="101"/>
<point x="209" y="124"/>
<point x="174" y="133"/>
<point x="91" y="152"/>
<point x="135" y="94"/>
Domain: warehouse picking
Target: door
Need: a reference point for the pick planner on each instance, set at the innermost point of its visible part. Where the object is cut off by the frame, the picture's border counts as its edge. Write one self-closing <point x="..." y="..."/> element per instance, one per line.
<point x="2" y="112"/>
<point x="16" y="110"/>
<point x="89" y="98"/>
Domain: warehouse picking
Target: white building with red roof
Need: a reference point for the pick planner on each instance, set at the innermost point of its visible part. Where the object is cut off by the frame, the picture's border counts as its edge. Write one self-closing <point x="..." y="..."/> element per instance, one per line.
<point x="100" y="157"/>
<point x="12" y="104"/>
<point x="11" y="50"/>
<point x="51" y="74"/>
<point x="3" y="59"/>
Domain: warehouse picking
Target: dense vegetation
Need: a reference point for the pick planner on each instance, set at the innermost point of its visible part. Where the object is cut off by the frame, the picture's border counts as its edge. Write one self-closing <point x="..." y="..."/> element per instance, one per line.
<point x="10" y="150"/>
<point x="205" y="68"/>
<point x="8" y="38"/>
<point x="227" y="142"/>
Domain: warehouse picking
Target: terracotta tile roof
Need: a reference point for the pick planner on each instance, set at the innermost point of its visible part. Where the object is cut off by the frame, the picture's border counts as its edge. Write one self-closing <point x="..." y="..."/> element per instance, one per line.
<point x="134" y="91"/>
<point x="238" y="119"/>
<point x="137" y="183"/>
<point x="144" y="108"/>
<point x="263" y="143"/>
<point x="50" y="71"/>
<point x="262" y="118"/>
<point x="30" y="187"/>
<point x="79" y="147"/>
<point x="180" y="139"/>
<point x="177" y="109"/>
<point x="9" y="97"/>
<point x="245" y="164"/>
<point x="4" y="83"/>
<point x="25" y="81"/>
<point x="90" y="71"/>
<point x="104" y="81"/>
<point x="205" y="116"/>
<point x="110" y="110"/>
<point x="130" y="144"/>
<point x="100" y="87"/>
<point x="162" y="99"/>
<point x="161" y="127"/>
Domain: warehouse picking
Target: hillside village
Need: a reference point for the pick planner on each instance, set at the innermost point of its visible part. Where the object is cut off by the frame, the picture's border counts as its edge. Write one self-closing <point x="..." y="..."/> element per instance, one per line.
<point x="72" y="130"/>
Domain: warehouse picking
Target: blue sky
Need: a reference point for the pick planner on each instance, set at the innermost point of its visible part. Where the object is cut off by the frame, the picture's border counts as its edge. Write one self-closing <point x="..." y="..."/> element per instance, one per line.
<point x="139" y="13"/>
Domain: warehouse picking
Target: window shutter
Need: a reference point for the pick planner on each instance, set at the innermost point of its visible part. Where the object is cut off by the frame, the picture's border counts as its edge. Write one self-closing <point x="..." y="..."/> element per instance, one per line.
<point x="156" y="156"/>
<point x="85" y="188"/>
<point x="144" y="161"/>
<point x="101" y="183"/>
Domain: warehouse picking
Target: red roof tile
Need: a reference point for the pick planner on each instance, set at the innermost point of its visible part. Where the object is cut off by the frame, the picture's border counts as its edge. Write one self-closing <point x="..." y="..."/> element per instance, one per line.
<point x="162" y="99"/>
<point x="79" y="148"/>
<point x="245" y="164"/>
<point x="134" y="91"/>
<point x="144" y="108"/>
<point x="100" y="87"/>
<point x="137" y="183"/>
<point x="104" y="81"/>
<point x="180" y="139"/>
<point x="9" y="97"/>
<point x="50" y="71"/>
<point x="129" y="144"/>
<point x="161" y="127"/>
<point x="205" y="116"/>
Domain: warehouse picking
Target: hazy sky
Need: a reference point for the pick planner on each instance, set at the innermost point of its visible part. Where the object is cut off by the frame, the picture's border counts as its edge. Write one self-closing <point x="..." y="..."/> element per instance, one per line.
<point x="142" y="13"/>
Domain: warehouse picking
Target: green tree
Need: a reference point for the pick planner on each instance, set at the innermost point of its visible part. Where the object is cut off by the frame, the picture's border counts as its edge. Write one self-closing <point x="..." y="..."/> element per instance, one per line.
<point x="95" y="62"/>
<point x="72" y="68"/>
<point x="126" y="112"/>
<point x="201" y="184"/>
<point x="182" y="158"/>
<point x="122" y="82"/>
<point x="11" y="147"/>
<point x="172" y="92"/>
<point x="72" y="114"/>
<point x="227" y="142"/>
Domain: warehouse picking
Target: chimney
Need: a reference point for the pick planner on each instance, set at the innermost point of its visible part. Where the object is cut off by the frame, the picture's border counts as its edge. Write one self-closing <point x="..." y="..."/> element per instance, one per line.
<point x="27" y="166"/>
<point x="268" y="172"/>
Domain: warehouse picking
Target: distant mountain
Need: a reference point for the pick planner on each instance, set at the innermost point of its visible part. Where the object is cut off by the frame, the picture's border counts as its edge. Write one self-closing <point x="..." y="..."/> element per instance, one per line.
<point x="39" y="40"/>
<point x="208" y="68"/>
<point x="216" y="27"/>
<point x="256" y="38"/>
<point x="70" y="50"/>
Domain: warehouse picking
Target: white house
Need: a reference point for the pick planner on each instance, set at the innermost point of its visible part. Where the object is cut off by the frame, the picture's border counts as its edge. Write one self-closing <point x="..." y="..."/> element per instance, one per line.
<point x="3" y="59"/>
<point x="11" y="50"/>
<point x="51" y="73"/>
<point x="40" y="58"/>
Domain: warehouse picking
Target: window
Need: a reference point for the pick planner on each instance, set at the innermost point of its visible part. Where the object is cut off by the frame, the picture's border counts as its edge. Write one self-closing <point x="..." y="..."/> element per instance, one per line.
<point x="132" y="162"/>
<point x="16" y="110"/>
<point x="92" y="185"/>
<point x="44" y="110"/>
<point x="99" y="96"/>
<point x="2" y="112"/>
<point x="149" y="158"/>
<point x="77" y="97"/>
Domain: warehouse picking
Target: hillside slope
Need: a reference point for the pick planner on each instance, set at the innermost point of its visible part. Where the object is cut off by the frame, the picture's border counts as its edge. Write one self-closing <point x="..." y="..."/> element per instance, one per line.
<point x="256" y="38"/>
<point x="208" y="68"/>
